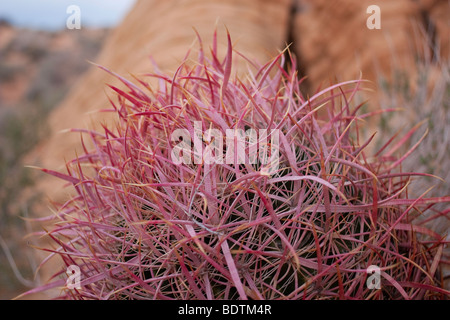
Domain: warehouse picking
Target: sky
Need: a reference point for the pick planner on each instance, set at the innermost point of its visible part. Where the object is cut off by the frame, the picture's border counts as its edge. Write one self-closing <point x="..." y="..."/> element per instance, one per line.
<point x="52" y="14"/>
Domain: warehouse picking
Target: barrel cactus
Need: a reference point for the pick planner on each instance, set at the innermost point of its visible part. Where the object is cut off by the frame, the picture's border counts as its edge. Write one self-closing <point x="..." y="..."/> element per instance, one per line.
<point x="218" y="186"/>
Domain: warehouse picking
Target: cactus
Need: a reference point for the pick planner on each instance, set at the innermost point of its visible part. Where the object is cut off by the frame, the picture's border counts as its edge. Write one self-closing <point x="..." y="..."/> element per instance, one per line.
<point x="159" y="216"/>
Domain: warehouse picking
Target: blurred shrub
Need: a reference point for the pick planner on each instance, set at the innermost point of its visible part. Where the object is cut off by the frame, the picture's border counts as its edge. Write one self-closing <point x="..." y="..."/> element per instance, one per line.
<point x="424" y="99"/>
<point x="51" y="72"/>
